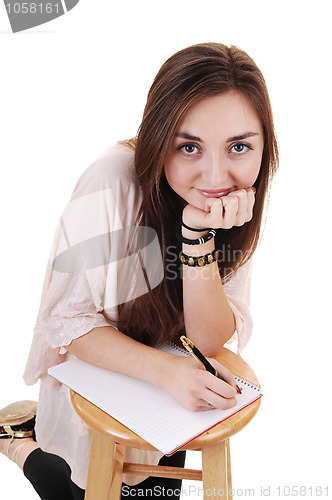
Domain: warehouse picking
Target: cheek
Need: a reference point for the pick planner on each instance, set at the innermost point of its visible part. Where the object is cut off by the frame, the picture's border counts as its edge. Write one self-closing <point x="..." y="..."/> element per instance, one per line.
<point x="247" y="176"/>
<point x="176" y="176"/>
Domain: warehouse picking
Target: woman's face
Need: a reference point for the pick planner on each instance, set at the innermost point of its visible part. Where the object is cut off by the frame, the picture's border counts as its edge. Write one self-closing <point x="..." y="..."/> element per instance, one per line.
<point x="217" y="149"/>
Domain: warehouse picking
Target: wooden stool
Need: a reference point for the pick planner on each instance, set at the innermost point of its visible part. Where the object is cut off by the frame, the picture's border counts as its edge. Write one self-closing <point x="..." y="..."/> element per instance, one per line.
<point x="109" y="439"/>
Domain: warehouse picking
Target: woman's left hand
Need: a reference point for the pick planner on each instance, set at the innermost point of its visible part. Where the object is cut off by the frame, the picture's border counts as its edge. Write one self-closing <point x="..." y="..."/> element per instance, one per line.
<point x="235" y="209"/>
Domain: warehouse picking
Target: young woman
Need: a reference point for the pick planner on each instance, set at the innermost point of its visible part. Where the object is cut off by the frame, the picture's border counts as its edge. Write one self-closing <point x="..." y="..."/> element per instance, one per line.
<point x="197" y="175"/>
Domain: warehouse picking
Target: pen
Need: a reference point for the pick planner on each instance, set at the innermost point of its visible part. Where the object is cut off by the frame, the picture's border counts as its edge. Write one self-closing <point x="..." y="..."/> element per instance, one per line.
<point x="188" y="344"/>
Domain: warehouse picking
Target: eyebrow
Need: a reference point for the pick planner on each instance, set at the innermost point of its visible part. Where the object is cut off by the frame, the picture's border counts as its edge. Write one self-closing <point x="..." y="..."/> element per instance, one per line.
<point x="184" y="135"/>
<point x="240" y="137"/>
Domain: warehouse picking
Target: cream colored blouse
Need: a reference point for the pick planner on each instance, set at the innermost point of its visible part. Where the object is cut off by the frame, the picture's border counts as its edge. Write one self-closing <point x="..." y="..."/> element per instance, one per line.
<point x="84" y="284"/>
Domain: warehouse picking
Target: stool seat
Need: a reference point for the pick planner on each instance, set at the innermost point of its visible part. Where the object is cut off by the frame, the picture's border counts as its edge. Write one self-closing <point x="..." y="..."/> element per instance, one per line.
<point x="213" y="441"/>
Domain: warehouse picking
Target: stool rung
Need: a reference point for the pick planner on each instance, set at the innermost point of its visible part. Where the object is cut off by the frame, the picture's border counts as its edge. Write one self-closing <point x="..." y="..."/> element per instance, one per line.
<point x="162" y="471"/>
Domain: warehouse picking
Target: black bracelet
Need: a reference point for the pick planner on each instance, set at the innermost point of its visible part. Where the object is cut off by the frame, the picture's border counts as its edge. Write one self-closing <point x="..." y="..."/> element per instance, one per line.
<point x="201" y="261"/>
<point x="199" y="241"/>
<point x="194" y="229"/>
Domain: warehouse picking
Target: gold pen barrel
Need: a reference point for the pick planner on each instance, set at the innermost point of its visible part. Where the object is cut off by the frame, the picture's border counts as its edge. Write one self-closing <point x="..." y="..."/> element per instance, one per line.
<point x="186" y="342"/>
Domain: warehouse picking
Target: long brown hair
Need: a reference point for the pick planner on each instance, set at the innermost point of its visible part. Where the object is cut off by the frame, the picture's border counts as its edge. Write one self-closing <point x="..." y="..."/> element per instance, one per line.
<point x="186" y="78"/>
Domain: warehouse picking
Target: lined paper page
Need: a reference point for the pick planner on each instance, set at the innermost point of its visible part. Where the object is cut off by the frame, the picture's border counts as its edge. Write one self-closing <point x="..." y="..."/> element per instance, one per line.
<point x="144" y="408"/>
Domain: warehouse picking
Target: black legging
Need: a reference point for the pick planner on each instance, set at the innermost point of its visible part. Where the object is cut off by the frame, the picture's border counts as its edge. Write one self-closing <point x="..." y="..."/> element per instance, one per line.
<point x="50" y="476"/>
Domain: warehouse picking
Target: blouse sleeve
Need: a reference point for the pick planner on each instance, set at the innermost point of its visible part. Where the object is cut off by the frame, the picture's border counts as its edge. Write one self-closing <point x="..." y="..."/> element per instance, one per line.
<point x="82" y="283"/>
<point x="73" y="294"/>
<point x="237" y="291"/>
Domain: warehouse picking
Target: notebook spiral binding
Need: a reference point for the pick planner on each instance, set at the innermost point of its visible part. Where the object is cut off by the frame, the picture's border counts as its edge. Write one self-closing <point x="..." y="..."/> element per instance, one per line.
<point x="177" y="348"/>
<point x="247" y="382"/>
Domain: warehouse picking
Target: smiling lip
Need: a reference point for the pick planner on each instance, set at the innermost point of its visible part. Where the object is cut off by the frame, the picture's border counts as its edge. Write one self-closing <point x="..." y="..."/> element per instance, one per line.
<point x="214" y="193"/>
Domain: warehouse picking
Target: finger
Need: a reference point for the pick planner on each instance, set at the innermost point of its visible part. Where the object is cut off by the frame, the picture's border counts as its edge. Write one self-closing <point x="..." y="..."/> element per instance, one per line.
<point x="245" y="203"/>
<point x="241" y="216"/>
<point x="230" y="211"/>
<point x="226" y="374"/>
<point x="246" y="199"/>
<point x="210" y="202"/>
<point x="204" y="405"/>
<point x="217" y="208"/>
<point x="206" y="381"/>
<point x="218" y="401"/>
<point x="200" y="404"/>
<point x="214" y="208"/>
<point x="220" y="387"/>
<point x="194" y="217"/>
<point x="251" y="202"/>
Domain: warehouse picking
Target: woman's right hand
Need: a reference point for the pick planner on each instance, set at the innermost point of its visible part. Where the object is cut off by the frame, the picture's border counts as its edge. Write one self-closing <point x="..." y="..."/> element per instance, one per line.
<point x="195" y="388"/>
<point x="181" y="376"/>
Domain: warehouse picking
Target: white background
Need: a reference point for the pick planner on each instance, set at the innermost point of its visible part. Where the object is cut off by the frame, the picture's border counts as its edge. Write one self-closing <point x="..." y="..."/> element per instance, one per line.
<point x="70" y="88"/>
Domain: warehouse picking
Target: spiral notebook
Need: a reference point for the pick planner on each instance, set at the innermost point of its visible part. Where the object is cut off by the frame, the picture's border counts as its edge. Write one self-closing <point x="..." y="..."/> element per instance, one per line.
<point x="144" y="408"/>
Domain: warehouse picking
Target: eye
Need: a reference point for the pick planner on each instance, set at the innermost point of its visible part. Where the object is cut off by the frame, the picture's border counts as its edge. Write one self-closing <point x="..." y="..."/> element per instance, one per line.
<point x="188" y="149"/>
<point x="240" y="148"/>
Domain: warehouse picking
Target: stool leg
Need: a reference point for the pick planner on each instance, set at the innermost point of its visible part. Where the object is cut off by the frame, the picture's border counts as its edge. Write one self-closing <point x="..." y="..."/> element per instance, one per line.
<point x="102" y="465"/>
<point x="117" y="472"/>
<point x="228" y="464"/>
<point x="216" y="471"/>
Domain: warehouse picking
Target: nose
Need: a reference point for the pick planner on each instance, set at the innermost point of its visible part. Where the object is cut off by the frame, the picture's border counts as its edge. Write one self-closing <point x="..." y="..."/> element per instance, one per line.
<point x="216" y="171"/>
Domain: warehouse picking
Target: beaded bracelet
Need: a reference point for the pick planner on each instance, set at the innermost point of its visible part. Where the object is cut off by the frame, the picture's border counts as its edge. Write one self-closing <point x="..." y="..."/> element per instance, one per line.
<point x="198" y="241"/>
<point x="201" y="261"/>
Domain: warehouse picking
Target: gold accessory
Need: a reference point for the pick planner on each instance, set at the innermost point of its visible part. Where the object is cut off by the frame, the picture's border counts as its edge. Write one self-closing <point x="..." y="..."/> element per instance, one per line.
<point x="201" y="261"/>
<point x="17" y="420"/>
